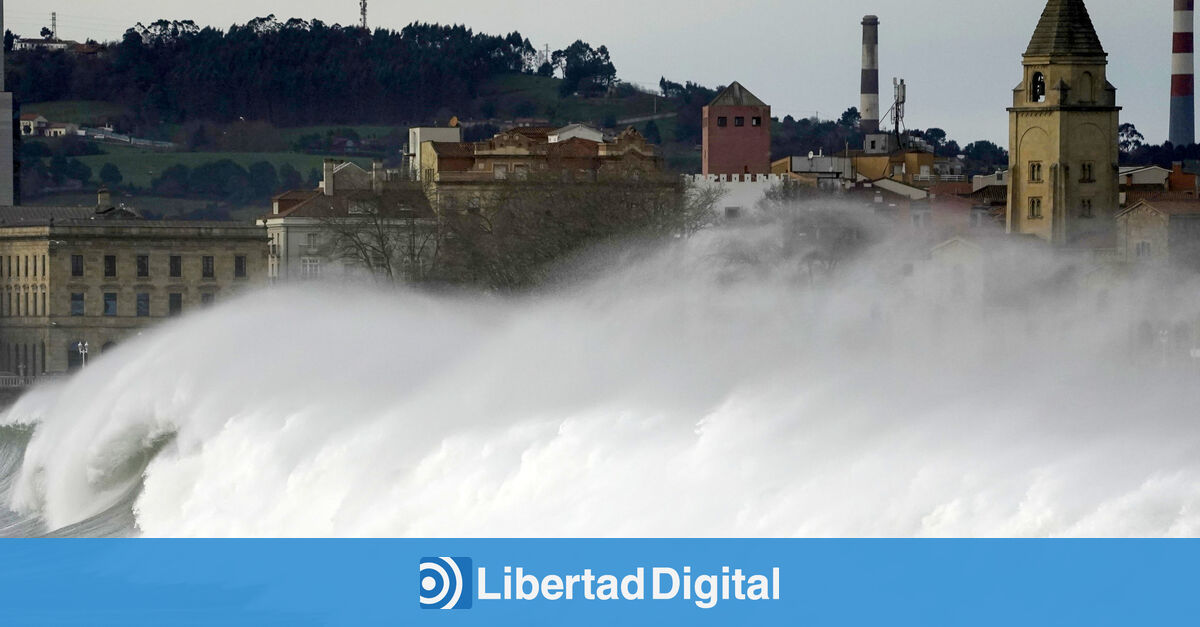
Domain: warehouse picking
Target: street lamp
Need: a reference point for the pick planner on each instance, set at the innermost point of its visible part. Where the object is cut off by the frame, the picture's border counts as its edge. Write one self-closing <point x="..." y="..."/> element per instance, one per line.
<point x="83" y="352"/>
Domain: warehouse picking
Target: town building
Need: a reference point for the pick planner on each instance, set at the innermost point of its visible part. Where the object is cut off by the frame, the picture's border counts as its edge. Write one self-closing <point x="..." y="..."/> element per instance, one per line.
<point x="418" y="135"/>
<point x="33" y="125"/>
<point x="1063" y="184"/>
<point x="571" y="131"/>
<point x="97" y="275"/>
<point x="829" y="173"/>
<point x="737" y="133"/>
<point x="461" y="176"/>
<point x="313" y="234"/>
<point x="49" y="43"/>
<point x="1160" y="233"/>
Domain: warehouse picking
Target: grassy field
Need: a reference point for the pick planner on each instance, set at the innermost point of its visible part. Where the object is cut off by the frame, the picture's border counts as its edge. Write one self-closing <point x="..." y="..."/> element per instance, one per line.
<point x="290" y="135"/>
<point x="86" y="112"/>
<point x="509" y="91"/>
<point x="140" y="167"/>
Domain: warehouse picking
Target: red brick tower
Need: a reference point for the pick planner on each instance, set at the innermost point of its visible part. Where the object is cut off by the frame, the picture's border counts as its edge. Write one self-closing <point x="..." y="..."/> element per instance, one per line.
<point x="737" y="133"/>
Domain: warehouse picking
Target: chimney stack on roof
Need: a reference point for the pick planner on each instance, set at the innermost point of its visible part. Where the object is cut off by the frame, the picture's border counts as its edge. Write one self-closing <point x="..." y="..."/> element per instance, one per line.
<point x="870" y="75"/>
<point x="1183" y="76"/>
<point x="103" y="198"/>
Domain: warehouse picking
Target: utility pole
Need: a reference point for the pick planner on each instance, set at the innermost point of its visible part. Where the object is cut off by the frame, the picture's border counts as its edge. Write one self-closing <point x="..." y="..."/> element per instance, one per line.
<point x="362" y="7"/>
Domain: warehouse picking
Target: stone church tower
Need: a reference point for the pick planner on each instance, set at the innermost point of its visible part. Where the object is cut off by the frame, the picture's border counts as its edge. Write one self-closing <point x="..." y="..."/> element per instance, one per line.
<point x="1063" y="156"/>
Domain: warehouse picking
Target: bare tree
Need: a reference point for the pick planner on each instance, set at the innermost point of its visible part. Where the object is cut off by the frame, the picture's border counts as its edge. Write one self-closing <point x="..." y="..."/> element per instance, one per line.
<point x="523" y="224"/>
<point x="383" y="237"/>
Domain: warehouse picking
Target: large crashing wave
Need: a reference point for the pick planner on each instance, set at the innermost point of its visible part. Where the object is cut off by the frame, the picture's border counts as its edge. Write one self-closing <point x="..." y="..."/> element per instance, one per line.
<point x="682" y="392"/>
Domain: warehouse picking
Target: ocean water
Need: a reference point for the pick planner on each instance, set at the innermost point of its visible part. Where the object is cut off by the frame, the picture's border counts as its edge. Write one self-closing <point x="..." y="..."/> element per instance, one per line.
<point x="715" y="386"/>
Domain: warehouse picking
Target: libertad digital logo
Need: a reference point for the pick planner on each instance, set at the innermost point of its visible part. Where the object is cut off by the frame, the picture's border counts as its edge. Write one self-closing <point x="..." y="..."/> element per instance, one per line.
<point x="446" y="583"/>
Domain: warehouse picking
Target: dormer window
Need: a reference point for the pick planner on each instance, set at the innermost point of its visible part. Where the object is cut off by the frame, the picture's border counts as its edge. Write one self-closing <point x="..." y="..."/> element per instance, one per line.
<point x="1037" y="87"/>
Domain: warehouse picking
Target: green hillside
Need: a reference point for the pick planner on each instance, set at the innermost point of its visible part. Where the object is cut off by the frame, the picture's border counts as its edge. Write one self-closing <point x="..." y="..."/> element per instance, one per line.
<point x="140" y="167"/>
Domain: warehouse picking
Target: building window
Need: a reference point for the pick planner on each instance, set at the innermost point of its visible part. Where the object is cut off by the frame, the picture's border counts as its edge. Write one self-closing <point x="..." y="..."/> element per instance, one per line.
<point x="722" y="121"/>
<point x="1037" y="87"/>
<point x="1035" y="171"/>
<point x="739" y="121"/>
<point x="310" y="268"/>
<point x="110" y="265"/>
<point x="176" y="266"/>
<point x="733" y="213"/>
<point x="174" y="304"/>
<point x="239" y="267"/>
<point x="143" y="265"/>
<point x="1088" y="172"/>
<point x="310" y="240"/>
<point x="500" y="171"/>
<point x="1085" y="208"/>
<point x="143" y="305"/>
<point x="1035" y="208"/>
<point x="1143" y="249"/>
<point x="76" y="304"/>
<point x="756" y="121"/>
<point x="206" y="264"/>
<point x="110" y="304"/>
<point x="76" y="265"/>
<point x="206" y="299"/>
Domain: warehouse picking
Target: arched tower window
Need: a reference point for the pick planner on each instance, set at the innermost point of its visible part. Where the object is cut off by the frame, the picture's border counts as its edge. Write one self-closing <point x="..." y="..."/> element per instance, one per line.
<point x="1037" y="87"/>
<point x="1087" y="88"/>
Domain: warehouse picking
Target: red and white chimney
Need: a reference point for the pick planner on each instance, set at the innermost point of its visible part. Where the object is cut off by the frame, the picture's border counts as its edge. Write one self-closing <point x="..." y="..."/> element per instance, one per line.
<point x="1183" y="76"/>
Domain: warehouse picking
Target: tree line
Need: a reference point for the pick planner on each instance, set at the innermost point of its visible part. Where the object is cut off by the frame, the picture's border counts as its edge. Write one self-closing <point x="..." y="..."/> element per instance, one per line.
<point x="294" y="72"/>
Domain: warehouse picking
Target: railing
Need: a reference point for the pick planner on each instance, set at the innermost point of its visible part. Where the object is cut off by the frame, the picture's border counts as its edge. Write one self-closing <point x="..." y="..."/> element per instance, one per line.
<point x="945" y="178"/>
<point x="10" y="382"/>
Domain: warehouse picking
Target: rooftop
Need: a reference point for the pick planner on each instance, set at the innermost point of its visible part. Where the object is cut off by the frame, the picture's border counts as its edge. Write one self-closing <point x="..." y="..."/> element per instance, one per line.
<point x="736" y="96"/>
<point x="1065" y="29"/>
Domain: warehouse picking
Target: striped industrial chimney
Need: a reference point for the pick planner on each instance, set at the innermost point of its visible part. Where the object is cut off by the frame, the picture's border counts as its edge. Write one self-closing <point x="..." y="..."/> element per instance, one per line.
<point x="1183" y="76"/>
<point x="870" y="75"/>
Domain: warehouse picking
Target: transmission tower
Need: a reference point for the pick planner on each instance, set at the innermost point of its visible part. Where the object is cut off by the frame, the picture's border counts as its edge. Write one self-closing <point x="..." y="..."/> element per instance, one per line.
<point x="362" y="7"/>
<point x="54" y="25"/>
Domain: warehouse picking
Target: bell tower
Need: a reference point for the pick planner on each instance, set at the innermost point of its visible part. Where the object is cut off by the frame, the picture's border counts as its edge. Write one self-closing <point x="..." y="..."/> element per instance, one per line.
<point x="1063" y="156"/>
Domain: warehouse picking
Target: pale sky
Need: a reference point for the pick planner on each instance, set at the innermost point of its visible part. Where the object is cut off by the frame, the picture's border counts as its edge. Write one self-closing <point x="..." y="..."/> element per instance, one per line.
<point x="960" y="58"/>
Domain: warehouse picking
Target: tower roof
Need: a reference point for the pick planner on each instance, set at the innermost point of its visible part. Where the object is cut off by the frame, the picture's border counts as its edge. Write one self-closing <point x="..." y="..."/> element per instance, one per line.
<point x="736" y="96"/>
<point x="1065" y="30"/>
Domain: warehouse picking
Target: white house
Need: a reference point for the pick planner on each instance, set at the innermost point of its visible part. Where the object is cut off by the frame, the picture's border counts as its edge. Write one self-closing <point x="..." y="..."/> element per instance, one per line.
<point x="307" y="229"/>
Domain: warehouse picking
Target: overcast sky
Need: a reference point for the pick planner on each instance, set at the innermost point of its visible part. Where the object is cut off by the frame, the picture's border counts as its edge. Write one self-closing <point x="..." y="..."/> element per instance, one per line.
<point x="961" y="58"/>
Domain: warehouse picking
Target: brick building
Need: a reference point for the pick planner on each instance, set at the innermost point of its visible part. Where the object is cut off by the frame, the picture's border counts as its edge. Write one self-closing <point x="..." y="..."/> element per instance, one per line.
<point x="737" y="133"/>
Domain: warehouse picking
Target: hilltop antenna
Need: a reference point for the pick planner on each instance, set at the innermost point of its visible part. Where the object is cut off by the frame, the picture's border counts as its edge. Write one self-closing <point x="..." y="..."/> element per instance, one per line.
<point x="898" y="108"/>
<point x="362" y="8"/>
<point x="54" y="25"/>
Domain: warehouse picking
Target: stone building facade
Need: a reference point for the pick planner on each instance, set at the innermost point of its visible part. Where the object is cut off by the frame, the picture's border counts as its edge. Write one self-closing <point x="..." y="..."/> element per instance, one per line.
<point x="462" y="176"/>
<point x="313" y="234"/>
<point x="1160" y="233"/>
<point x="1063" y="128"/>
<point x="66" y="279"/>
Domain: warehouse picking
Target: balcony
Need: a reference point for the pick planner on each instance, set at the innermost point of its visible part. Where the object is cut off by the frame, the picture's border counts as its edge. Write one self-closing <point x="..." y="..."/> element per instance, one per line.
<point x="940" y="178"/>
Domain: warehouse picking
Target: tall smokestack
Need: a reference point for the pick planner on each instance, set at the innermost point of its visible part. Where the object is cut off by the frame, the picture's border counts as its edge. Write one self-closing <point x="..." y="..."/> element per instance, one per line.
<point x="1183" y="76"/>
<point x="870" y="75"/>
